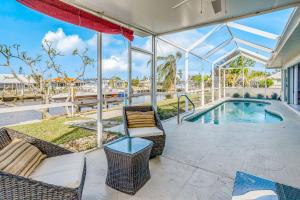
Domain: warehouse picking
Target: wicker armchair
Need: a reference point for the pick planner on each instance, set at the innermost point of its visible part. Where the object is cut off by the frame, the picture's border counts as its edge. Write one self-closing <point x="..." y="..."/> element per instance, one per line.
<point x="17" y="187"/>
<point x="158" y="141"/>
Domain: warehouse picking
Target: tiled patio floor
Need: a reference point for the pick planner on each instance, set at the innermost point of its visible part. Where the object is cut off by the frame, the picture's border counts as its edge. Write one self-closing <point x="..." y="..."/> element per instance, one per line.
<point x="200" y="161"/>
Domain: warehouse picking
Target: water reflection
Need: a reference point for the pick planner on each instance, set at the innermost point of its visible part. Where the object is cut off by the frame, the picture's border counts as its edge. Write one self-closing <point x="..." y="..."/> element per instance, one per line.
<point x="237" y="111"/>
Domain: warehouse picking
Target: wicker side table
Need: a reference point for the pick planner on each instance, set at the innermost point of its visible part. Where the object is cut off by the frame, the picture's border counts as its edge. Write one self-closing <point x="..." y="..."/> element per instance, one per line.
<point x="128" y="164"/>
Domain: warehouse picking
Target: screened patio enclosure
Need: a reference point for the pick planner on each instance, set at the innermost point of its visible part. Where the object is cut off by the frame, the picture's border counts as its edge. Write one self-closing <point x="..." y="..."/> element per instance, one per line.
<point x="208" y="52"/>
<point x="201" y="39"/>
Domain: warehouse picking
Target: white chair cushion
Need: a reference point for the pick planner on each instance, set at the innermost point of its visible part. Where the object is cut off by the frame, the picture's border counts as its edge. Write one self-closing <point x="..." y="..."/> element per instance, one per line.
<point x="65" y="170"/>
<point x="145" y="132"/>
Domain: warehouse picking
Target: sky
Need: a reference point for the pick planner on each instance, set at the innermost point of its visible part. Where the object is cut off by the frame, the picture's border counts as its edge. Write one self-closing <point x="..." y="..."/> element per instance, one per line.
<point x="27" y="28"/>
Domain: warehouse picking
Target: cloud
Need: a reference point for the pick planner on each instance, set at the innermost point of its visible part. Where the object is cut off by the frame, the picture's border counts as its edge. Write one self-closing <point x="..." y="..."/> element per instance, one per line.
<point x="66" y="44"/>
<point x="164" y="49"/>
<point x="93" y="41"/>
<point x="185" y="38"/>
<point x="114" y="63"/>
<point x="108" y="40"/>
<point x="203" y="49"/>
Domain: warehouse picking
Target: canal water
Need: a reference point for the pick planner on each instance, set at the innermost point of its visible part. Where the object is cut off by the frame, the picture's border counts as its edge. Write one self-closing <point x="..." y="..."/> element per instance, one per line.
<point x="25" y="116"/>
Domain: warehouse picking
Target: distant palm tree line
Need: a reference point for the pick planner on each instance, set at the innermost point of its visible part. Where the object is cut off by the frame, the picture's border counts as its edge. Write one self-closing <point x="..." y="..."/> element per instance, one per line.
<point x="168" y="76"/>
<point x="252" y="78"/>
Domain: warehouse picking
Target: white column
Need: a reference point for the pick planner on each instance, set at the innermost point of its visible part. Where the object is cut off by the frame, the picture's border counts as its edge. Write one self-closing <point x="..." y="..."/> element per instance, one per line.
<point x="212" y="83"/>
<point x="186" y="79"/>
<point x="224" y="83"/>
<point x="243" y="82"/>
<point x="265" y="83"/>
<point x="153" y="73"/>
<point x="282" y="85"/>
<point x="99" y="90"/>
<point x="202" y="87"/>
<point x="296" y="68"/>
<point x="290" y="85"/>
<point x="130" y="92"/>
<point x="72" y="100"/>
<point x="219" y="83"/>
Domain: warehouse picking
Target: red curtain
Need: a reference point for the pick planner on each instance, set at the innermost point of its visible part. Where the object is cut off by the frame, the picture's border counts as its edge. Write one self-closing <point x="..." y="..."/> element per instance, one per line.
<point x="73" y="15"/>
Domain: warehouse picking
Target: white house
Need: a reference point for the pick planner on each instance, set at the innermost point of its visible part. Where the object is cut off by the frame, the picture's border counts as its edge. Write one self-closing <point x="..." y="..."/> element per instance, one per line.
<point x="10" y="82"/>
<point x="276" y="77"/>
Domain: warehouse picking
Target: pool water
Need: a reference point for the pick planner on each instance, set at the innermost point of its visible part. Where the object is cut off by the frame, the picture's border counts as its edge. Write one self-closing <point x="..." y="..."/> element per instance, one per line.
<point x="235" y="112"/>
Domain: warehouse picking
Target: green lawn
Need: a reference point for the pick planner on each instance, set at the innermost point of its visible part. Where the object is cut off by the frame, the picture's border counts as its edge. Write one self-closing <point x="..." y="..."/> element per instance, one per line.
<point x="55" y="130"/>
<point x="168" y="108"/>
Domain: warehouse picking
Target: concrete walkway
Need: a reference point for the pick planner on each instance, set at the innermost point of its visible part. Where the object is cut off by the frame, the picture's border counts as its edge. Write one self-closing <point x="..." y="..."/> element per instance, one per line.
<point x="200" y="160"/>
<point x="108" y="114"/>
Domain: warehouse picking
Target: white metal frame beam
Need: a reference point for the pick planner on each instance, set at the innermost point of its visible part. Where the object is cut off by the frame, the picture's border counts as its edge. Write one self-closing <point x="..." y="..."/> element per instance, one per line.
<point x="217" y="48"/>
<point x="256" y="46"/>
<point x="129" y="74"/>
<point x="203" y="38"/>
<point x="253" y="58"/>
<point x="256" y="55"/>
<point x="253" y="30"/>
<point x="232" y="36"/>
<point x="99" y="90"/>
<point x="137" y="49"/>
<point x="154" y="73"/>
<point x="290" y="27"/>
<point x="181" y="48"/>
<point x="232" y="68"/>
<point x="228" y="61"/>
<point x="225" y="56"/>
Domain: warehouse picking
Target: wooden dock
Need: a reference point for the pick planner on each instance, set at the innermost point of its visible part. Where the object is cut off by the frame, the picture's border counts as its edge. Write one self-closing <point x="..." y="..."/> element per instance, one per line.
<point x="8" y="98"/>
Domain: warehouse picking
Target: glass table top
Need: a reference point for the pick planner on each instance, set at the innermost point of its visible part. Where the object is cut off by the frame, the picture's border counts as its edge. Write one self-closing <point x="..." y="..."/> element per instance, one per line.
<point x="247" y="186"/>
<point x="129" y="145"/>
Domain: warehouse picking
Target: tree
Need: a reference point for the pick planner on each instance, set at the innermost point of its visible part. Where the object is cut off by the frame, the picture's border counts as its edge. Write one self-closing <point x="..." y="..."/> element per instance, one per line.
<point x="113" y="80"/>
<point x="167" y="70"/>
<point x="42" y="66"/>
<point x="268" y="82"/>
<point x="234" y="75"/>
<point x="135" y="82"/>
<point x="197" y="79"/>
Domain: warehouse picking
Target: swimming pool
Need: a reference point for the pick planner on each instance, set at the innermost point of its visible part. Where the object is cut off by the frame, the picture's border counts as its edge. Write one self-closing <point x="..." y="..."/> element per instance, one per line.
<point x="235" y="112"/>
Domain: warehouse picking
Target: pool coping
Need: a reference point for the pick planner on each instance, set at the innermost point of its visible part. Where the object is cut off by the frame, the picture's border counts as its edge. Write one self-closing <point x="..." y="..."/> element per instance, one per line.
<point x="267" y="109"/>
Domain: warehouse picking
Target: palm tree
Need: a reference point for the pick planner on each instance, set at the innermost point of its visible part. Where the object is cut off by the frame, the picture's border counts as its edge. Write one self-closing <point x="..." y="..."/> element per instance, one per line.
<point x="234" y="75"/>
<point x="166" y="71"/>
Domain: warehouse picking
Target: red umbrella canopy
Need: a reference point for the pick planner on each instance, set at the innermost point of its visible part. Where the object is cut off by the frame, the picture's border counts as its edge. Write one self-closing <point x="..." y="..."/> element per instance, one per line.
<point x="76" y="16"/>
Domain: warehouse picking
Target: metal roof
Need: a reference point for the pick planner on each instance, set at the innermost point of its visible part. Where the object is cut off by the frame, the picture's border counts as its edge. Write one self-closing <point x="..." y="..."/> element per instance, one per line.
<point x="217" y="43"/>
<point x="167" y="16"/>
<point x="11" y="79"/>
<point x="161" y="18"/>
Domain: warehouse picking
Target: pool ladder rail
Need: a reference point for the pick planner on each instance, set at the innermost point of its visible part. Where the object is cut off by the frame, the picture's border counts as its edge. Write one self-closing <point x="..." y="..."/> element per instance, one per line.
<point x="178" y="108"/>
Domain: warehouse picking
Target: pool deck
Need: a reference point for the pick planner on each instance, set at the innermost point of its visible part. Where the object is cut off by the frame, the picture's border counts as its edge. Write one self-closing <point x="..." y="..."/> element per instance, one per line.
<point x="200" y="160"/>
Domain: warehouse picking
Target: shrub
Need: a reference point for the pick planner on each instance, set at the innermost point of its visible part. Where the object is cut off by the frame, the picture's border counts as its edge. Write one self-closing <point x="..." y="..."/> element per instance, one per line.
<point x="247" y="95"/>
<point x="274" y="96"/>
<point x="236" y="95"/>
<point x="169" y="96"/>
<point x="260" y="96"/>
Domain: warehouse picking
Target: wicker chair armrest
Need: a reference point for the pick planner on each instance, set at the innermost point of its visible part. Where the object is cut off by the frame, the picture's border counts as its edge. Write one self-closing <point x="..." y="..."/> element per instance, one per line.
<point x="158" y="122"/>
<point x="125" y="121"/>
<point x="17" y="187"/>
<point x="47" y="148"/>
<point x="4" y="138"/>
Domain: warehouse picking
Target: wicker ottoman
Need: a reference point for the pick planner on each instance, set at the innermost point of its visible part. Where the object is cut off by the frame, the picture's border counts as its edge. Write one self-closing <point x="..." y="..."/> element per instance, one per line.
<point x="128" y="163"/>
